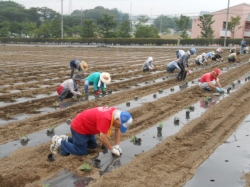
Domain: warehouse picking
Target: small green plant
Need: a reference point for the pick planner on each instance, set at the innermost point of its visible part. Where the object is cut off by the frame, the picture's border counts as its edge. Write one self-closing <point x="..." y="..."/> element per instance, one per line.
<point x="8" y="116"/>
<point x="132" y="138"/>
<point x="12" y="99"/>
<point x="74" y="97"/>
<point x="46" y="185"/>
<point x="53" y="128"/>
<point x="206" y="99"/>
<point x="56" y="103"/>
<point x="35" y="109"/>
<point x="24" y="136"/>
<point x="160" y="124"/>
<point x="83" y="94"/>
<point x="85" y="167"/>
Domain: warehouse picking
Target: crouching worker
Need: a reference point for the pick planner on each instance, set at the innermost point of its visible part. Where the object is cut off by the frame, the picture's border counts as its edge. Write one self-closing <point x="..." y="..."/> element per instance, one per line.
<point x="208" y="81"/>
<point x="69" y="88"/>
<point x="200" y="60"/>
<point x="98" y="80"/>
<point x="81" y="66"/>
<point x="234" y="57"/>
<point x="172" y="66"/>
<point x="84" y="127"/>
<point x="148" y="65"/>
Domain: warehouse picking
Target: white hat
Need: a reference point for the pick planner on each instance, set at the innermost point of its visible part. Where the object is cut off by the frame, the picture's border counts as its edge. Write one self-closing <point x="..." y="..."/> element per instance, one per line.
<point x="150" y="59"/>
<point x="105" y="77"/>
<point x="84" y="65"/>
<point x="203" y="54"/>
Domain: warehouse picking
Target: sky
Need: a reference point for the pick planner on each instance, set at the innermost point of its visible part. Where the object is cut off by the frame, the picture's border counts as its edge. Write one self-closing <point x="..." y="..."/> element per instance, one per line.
<point x="138" y="7"/>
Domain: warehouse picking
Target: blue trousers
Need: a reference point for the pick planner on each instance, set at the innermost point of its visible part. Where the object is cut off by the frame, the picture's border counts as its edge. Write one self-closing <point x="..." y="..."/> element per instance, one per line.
<point x="78" y="144"/>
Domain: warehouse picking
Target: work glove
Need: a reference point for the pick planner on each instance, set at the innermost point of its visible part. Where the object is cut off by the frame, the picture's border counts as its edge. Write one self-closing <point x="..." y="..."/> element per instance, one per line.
<point x="118" y="148"/>
<point x="115" y="152"/>
<point x="97" y="92"/>
<point x="219" y="89"/>
<point x="155" y="68"/>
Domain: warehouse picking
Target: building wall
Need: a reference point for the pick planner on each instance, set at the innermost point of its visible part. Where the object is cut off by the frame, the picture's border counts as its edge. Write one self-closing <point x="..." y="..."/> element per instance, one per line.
<point x="221" y="16"/>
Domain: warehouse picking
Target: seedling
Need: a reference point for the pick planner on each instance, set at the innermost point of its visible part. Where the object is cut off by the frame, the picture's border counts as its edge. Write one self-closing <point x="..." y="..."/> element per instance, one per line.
<point x="51" y="130"/>
<point x="85" y="167"/>
<point x="176" y="120"/>
<point x="136" y="97"/>
<point x="161" y="90"/>
<point x="127" y="103"/>
<point x="8" y="116"/>
<point x="191" y="108"/>
<point x="132" y="138"/>
<point x="83" y="94"/>
<point x="206" y="99"/>
<point x="56" y="103"/>
<point x="172" y="89"/>
<point x="136" y="84"/>
<point x="160" y="124"/>
<point x="24" y="139"/>
<point x="12" y="99"/>
<point x="154" y="95"/>
<point x="74" y="97"/>
<point x="233" y="84"/>
<point x="46" y="185"/>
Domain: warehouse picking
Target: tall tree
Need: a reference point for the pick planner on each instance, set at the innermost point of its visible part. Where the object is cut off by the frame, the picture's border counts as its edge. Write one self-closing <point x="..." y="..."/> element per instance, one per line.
<point x="183" y="25"/>
<point x="106" y="26"/>
<point x="164" y="22"/>
<point x="206" y="26"/>
<point x="234" y="21"/>
<point x="5" y="27"/>
<point x="147" y="32"/>
<point x="124" y="29"/>
<point x="88" y="29"/>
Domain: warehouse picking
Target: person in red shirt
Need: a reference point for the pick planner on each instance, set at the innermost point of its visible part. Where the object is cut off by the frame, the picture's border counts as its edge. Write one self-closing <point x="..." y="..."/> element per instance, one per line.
<point x="208" y="81"/>
<point x="84" y="127"/>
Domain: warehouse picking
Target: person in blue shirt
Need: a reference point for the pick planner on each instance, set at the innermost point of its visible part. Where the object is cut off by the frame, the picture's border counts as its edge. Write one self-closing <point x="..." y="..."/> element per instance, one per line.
<point x="183" y="63"/>
<point x="243" y="44"/>
<point x="79" y="65"/>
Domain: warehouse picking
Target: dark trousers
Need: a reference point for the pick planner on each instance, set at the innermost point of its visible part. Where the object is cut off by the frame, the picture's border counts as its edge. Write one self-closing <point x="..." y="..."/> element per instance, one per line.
<point x="72" y="67"/>
<point x="146" y="69"/>
<point x="78" y="144"/>
<point x="182" y="74"/>
<point x="65" y="94"/>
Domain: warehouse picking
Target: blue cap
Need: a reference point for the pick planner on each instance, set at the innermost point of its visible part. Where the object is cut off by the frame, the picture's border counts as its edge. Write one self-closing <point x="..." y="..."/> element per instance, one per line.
<point x="126" y="120"/>
<point x="193" y="50"/>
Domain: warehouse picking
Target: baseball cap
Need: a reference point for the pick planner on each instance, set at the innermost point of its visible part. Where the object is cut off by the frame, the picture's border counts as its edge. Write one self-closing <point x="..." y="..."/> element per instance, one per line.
<point x="217" y="70"/>
<point x="203" y="54"/>
<point x="125" y="120"/>
<point x="193" y="50"/>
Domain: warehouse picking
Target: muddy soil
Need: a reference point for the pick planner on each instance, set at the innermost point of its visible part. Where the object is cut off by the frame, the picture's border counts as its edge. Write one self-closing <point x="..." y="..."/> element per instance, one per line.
<point x="171" y="163"/>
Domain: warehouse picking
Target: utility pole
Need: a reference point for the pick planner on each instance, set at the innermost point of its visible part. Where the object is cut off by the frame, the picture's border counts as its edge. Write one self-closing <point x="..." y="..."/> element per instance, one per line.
<point x="225" y="39"/>
<point x="62" y="19"/>
<point x="81" y="16"/>
<point x="161" y="25"/>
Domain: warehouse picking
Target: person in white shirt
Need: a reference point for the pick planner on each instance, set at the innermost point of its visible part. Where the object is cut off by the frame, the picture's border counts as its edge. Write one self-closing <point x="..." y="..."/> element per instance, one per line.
<point x="148" y="65"/>
<point x="200" y="60"/>
<point x="69" y="88"/>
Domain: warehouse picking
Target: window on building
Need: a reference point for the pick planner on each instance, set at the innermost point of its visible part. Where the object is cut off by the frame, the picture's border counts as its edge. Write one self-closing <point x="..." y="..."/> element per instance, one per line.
<point x="224" y="25"/>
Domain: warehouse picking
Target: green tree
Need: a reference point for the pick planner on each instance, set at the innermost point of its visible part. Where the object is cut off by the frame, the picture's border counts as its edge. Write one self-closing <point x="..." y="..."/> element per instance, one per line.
<point x="234" y="21"/>
<point x="5" y="29"/>
<point x="28" y="28"/>
<point x="142" y="20"/>
<point x="206" y="26"/>
<point x="55" y="29"/>
<point x="147" y="32"/>
<point x="106" y="26"/>
<point x="183" y="24"/>
<point x="88" y="29"/>
<point x="124" y="29"/>
<point x="164" y="22"/>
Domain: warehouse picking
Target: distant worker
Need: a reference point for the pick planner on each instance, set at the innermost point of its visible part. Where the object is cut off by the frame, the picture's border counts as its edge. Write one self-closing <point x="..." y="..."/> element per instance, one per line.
<point x="179" y="53"/>
<point x="219" y="50"/>
<point x="81" y="66"/>
<point x="183" y="63"/>
<point x="200" y="60"/>
<point x="148" y="65"/>
<point x="234" y="57"/>
<point x="209" y="55"/>
<point x="69" y="88"/>
<point x="208" y="81"/>
<point x="98" y="80"/>
<point x="233" y="50"/>
<point x="243" y="44"/>
<point x="217" y="58"/>
<point x="172" y="66"/>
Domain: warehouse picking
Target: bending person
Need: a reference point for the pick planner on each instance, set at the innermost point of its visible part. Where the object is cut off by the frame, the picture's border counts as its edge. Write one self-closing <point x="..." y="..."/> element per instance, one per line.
<point x="81" y="66"/>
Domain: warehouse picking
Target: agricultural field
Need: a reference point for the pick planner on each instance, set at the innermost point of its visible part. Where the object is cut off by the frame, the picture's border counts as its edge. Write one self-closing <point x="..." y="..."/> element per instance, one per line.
<point x="30" y="76"/>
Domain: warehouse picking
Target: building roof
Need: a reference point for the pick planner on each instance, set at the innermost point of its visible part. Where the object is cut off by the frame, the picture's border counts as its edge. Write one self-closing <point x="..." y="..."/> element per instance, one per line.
<point x="246" y="4"/>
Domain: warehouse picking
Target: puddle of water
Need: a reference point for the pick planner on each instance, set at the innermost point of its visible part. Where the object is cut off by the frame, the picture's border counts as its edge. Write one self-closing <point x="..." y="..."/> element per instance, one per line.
<point x="228" y="163"/>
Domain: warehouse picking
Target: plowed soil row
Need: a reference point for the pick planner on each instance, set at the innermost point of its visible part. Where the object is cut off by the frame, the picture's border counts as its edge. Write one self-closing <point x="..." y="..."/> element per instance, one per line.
<point x="177" y="156"/>
<point x="39" y="122"/>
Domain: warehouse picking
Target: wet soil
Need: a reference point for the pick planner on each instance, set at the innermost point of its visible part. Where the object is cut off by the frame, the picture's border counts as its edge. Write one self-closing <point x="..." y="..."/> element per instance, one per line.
<point x="172" y="162"/>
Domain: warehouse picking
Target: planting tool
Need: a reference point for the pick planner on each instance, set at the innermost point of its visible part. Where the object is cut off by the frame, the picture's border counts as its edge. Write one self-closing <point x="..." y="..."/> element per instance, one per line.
<point x="24" y="139"/>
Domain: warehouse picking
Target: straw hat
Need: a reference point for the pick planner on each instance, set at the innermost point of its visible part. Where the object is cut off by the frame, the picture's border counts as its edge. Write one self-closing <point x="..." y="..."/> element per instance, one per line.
<point x="84" y="65"/>
<point x="105" y="77"/>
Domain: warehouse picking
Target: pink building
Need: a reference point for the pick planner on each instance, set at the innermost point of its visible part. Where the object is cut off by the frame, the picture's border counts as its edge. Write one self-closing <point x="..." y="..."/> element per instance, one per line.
<point x="220" y="17"/>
